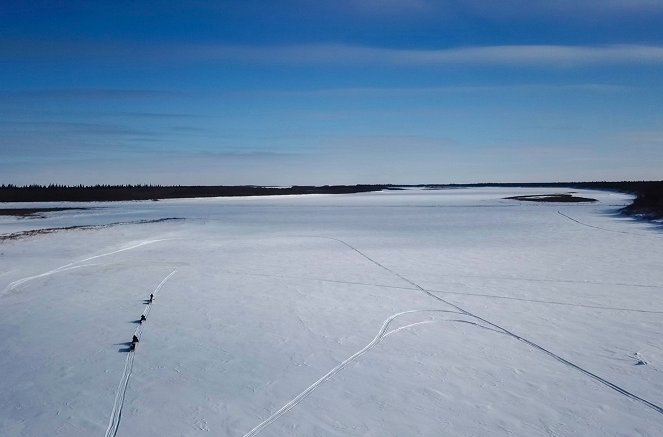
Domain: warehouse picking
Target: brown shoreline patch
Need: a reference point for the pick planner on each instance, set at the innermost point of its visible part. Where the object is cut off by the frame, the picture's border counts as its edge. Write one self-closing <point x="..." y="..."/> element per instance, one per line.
<point x="34" y="232"/>
<point x="556" y="197"/>
<point x="32" y="212"/>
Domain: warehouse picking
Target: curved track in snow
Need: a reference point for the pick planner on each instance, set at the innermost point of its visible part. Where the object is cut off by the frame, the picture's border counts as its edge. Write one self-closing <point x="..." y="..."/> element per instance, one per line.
<point x="553" y="355"/>
<point x="116" y="412"/>
<point x="381" y="335"/>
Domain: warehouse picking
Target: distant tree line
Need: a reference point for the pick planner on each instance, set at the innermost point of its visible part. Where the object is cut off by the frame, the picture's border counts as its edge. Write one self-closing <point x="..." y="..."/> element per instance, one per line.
<point x="52" y="186"/>
<point x="648" y="201"/>
<point x="90" y="193"/>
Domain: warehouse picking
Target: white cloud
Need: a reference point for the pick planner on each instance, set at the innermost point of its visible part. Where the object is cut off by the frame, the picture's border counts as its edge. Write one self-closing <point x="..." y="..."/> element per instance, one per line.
<point x="643" y="137"/>
<point x="302" y="54"/>
<point x="389" y="6"/>
<point x="574" y="9"/>
<point x="549" y="55"/>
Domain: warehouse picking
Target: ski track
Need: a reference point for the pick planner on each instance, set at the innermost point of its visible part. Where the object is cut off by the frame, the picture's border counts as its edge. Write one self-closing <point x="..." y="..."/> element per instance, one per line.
<point x="555" y="281"/>
<point x="564" y="361"/>
<point x="411" y="325"/>
<point x="18" y="282"/>
<point x="549" y="302"/>
<point x="74" y="264"/>
<point x="606" y="229"/>
<point x="382" y="333"/>
<point x="116" y="412"/>
<point x="455" y="276"/>
<point x="491" y="296"/>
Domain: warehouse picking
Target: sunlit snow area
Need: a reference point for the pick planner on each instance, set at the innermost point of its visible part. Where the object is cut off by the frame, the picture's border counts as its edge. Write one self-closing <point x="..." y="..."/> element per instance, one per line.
<point x="396" y="313"/>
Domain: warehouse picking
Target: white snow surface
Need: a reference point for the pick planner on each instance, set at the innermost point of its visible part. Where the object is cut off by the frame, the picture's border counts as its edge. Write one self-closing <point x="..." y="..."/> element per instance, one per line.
<point x="397" y="313"/>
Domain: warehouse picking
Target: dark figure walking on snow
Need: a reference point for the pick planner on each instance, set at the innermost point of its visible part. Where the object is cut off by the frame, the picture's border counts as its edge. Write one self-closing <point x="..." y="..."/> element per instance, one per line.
<point x="134" y="340"/>
<point x="151" y="297"/>
<point x="142" y="318"/>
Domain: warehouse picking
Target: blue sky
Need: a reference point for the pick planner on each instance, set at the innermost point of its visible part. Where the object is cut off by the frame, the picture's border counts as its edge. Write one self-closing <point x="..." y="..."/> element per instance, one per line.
<point x="330" y="92"/>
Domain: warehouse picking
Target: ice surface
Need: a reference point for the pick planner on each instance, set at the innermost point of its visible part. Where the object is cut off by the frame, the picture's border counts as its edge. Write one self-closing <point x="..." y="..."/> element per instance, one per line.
<point x="271" y="294"/>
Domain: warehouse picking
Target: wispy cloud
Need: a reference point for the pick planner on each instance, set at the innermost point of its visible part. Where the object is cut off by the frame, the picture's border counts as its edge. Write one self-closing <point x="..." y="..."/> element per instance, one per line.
<point x="570" y="8"/>
<point x="548" y="55"/>
<point x="407" y="92"/>
<point x="442" y="8"/>
<point x="73" y="128"/>
<point x="88" y="94"/>
<point x="507" y="55"/>
<point x="643" y="137"/>
<point x="385" y="7"/>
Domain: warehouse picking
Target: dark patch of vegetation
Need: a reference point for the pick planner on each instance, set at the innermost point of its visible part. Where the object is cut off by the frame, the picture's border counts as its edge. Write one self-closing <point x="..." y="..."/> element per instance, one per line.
<point x="552" y="198"/>
<point x="80" y="193"/>
<point x="648" y="203"/>
<point x="32" y="212"/>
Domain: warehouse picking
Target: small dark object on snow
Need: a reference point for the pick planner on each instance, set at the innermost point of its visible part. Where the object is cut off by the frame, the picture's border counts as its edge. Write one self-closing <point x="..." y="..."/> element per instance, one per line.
<point x="151" y="297"/>
<point x="134" y="340"/>
<point x="142" y="318"/>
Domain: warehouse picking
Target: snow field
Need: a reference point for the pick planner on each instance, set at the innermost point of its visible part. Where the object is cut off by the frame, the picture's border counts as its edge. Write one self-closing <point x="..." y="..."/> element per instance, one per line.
<point x="270" y="296"/>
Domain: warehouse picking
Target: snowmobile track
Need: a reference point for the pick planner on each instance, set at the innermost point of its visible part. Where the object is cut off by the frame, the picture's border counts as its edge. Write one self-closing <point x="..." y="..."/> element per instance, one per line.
<point x="564" y="361"/>
<point x="606" y="229"/>
<point x="381" y="335"/>
<point x="490" y="296"/>
<point x="116" y="412"/>
<point x="75" y="264"/>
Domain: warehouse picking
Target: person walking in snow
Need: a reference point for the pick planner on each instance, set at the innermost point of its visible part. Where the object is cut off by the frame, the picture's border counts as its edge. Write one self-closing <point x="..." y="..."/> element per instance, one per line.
<point x="142" y="318"/>
<point x="134" y="340"/>
<point x="151" y="297"/>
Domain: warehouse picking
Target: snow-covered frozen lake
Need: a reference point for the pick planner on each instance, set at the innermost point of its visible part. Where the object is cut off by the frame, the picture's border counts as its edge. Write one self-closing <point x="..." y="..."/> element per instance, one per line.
<point x="402" y="313"/>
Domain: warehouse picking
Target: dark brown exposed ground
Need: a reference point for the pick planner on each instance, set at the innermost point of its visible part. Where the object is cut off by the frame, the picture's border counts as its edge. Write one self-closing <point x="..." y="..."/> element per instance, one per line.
<point x="34" y="232"/>
<point x="552" y="198"/>
<point x="31" y="212"/>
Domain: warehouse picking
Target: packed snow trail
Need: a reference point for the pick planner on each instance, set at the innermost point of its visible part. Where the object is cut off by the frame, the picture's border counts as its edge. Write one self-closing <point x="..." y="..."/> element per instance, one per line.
<point x="606" y="229"/>
<point x="462" y="293"/>
<point x="116" y="412"/>
<point x="564" y="361"/>
<point x="549" y="302"/>
<point x="458" y="275"/>
<point x="74" y="264"/>
<point x="382" y="333"/>
<point x="18" y="282"/>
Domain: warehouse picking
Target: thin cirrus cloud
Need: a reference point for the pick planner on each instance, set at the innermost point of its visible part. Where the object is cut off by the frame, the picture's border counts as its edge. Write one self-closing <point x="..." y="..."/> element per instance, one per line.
<point x="302" y="54"/>
<point x="503" y="54"/>
<point x="88" y="94"/>
<point x="413" y="92"/>
<point x="562" y="7"/>
<point x="483" y="8"/>
<point x="643" y="137"/>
